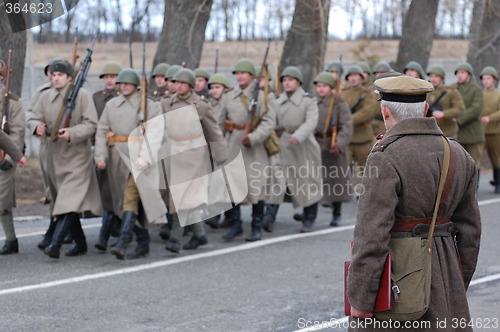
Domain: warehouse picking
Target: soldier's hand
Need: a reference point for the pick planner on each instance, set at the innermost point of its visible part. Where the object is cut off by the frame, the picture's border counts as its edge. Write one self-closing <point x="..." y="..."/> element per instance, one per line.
<point x="438" y="114"/>
<point x="141" y="163"/>
<point x="101" y="165"/>
<point x="246" y="142"/>
<point x="22" y="162"/>
<point x="64" y="134"/>
<point x="41" y="129"/>
<point x="293" y="140"/>
<point x="360" y="314"/>
<point x="485" y="119"/>
<point x="335" y="150"/>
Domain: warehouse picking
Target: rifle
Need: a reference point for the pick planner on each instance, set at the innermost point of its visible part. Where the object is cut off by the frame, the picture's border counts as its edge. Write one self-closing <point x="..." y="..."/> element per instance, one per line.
<point x="435" y="106"/>
<point x="144" y="87"/>
<point x="335" y="126"/>
<point x="216" y="60"/>
<point x="276" y="70"/>
<point x="353" y="108"/>
<point x="75" y="48"/>
<point x="73" y="92"/>
<point x="253" y="103"/>
<point x="6" y="98"/>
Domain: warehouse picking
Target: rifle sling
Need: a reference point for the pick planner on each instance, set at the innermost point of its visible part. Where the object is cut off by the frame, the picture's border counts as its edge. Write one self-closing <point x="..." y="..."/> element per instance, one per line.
<point x="55" y="129"/>
<point x="329" y="117"/>
<point x="438" y="98"/>
<point x="245" y="103"/>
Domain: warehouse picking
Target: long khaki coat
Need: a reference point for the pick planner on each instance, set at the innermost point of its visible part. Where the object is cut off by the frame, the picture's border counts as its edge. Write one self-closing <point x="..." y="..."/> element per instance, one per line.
<point x="300" y="163"/>
<point x="336" y="171"/>
<point x="492" y="109"/>
<point x="70" y="168"/>
<point x="453" y="107"/>
<point x="255" y="158"/>
<point x="16" y="133"/>
<point x="10" y="147"/>
<point x="401" y="183"/>
<point x="121" y="116"/>
<point x="470" y="126"/>
<point x="363" y="115"/>
<point x="186" y="141"/>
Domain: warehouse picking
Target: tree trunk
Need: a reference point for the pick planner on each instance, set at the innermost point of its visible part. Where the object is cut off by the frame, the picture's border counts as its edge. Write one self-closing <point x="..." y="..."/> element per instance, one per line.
<point x="484" y="46"/>
<point x="418" y="33"/>
<point x="307" y="39"/>
<point x="18" y="52"/>
<point x="183" y="32"/>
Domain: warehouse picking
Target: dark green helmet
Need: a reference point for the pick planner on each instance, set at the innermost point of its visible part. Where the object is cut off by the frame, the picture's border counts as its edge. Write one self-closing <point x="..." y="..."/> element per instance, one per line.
<point x="382" y="67"/>
<point x="128" y="75"/>
<point x="438" y="70"/>
<point x="219" y="78"/>
<point x="110" y="68"/>
<point x="185" y="75"/>
<point x="161" y="69"/>
<point x="325" y="77"/>
<point x="292" y="71"/>
<point x="198" y="72"/>
<point x="246" y="66"/>
<point x="171" y="71"/>
<point x="465" y="66"/>
<point x="365" y="66"/>
<point x="335" y="67"/>
<point x="63" y="66"/>
<point x="50" y="63"/>
<point x="354" y="70"/>
<point x="489" y="71"/>
<point x="415" y="66"/>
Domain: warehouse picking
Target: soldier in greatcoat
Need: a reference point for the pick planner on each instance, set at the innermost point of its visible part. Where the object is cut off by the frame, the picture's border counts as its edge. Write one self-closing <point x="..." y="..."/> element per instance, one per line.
<point x="10" y="148"/>
<point x="116" y="134"/>
<point x="160" y="89"/>
<point x="234" y="115"/>
<point x="15" y="124"/>
<point x="445" y="103"/>
<point x="300" y="155"/>
<point x="334" y="123"/>
<point x="399" y="200"/>
<point x="491" y="121"/>
<point x="70" y="169"/>
<point x="201" y="84"/>
<point x="110" y="221"/>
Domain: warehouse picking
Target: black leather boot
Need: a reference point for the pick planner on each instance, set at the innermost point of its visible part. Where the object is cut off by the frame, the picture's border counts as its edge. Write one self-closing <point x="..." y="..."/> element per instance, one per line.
<point x="63" y="224"/>
<point x="257" y="216"/>
<point x="10" y="247"/>
<point x="195" y="242"/>
<point x="213" y="222"/>
<point x="143" y="239"/>
<point x="48" y="234"/>
<point x="116" y="226"/>
<point x="105" y="232"/>
<point x="80" y="246"/>
<point x="125" y="234"/>
<point x="336" y="214"/>
<point x="298" y="217"/>
<point x="496" y="180"/>
<point x="166" y="228"/>
<point x="270" y="217"/>
<point x="229" y="216"/>
<point x="310" y="213"/>
<point x="235" y="227"/>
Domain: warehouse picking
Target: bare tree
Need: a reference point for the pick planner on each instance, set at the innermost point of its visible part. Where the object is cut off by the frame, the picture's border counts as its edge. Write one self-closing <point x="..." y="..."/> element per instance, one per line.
<point x="69" y="18"/>
<point x="183" y="32"/>
<point x="418" y="33"/>
<point x="307" y="39"/>
<point x="484" y="46"/>
<point x="19" y="47"/>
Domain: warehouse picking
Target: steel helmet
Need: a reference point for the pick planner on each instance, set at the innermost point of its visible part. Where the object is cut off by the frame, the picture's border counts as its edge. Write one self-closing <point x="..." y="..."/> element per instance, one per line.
<point x="219" y="78"/>
<point x="246" y="66"/>
<point x="128" y="75"/>
<point x="292" y="71"/>
<point x="185" y="75"/>
<point x="110" y="68"/>
<point x="160" y="69"/>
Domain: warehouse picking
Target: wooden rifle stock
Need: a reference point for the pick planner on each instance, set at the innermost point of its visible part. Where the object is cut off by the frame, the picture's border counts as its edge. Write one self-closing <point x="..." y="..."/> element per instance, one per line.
<point x="216" y="61"/>
<point x="144" y="86"/>
<point x="276" y="70"/>
<point x="335" y="126"/>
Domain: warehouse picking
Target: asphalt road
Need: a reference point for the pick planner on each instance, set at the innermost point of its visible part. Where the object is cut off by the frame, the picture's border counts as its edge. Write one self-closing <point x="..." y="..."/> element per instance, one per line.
<point x="285" y="282"/>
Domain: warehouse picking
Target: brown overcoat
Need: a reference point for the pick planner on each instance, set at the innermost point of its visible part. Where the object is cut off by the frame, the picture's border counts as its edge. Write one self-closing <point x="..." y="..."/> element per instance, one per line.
<point x="16" y="133"/>
<point x="70" y="168"/>
<point x="491" y="108"/>
<point x="401" y="182"/>
<point x="102" y="97"/>
<point x="362" y="115"/>
<point x="453" y="107"/>
<point x="336" y="171"/>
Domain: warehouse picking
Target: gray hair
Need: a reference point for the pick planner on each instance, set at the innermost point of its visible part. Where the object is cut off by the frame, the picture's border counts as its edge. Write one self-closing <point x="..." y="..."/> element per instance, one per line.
<point x="403" y="111"/>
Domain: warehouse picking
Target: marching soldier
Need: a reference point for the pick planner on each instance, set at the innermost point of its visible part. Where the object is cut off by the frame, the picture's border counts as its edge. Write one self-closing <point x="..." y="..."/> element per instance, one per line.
<point x="120" y="118"/>
<point x="361" y="102"/>
<point x="72" y="179"/>
<point x="445" y="104"/>
<point x="10" y="148"/>
<point x="491" y="121"/>
<point x="161" y="88"/>
<point x="471" y="131"/>
<point x="297" y="118"/>
<point x="201" y="87"/>
<point x="234" y="116"/>
<point x="169" y="75"/>
<point x="367" y="73"/>
<point x="414" y="69"/>
<point x="334" y="123"/>
<point x="15" y="122"/>
<point x="337" y="72"/>
<point x="185" y="96"/>
<point x="110" y="221"/>
<point x="380" y="68"/>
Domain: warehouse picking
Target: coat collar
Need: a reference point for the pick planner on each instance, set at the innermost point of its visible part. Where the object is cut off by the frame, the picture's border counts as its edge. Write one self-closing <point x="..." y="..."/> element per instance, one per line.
<point x="248" y="91"/>
<point x="134" y="101"/>
<point x="325" y="100"/>
<point x="416" y="126"/>
<point x="295" y="98"/>
<point x="54" y="93"/>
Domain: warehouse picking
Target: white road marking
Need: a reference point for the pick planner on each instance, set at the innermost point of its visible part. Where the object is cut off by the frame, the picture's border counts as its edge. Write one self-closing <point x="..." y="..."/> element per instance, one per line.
<point x="489" y="201"/>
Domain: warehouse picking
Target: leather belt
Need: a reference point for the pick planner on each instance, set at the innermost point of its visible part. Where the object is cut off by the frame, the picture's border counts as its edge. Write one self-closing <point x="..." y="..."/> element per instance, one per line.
<point x="407" y="225"/>
<point x="113" y="138"/>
